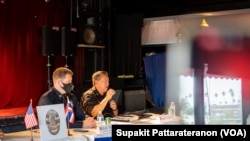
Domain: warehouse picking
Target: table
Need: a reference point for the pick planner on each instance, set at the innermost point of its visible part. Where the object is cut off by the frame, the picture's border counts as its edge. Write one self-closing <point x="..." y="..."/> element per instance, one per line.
<point x="154" y="119"/>
<point x="91" y="135"/>
<point x="26" y="135"/>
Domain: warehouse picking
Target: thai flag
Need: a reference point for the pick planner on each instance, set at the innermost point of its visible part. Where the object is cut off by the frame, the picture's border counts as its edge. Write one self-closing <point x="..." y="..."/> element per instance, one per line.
<point x="70" y="117"/>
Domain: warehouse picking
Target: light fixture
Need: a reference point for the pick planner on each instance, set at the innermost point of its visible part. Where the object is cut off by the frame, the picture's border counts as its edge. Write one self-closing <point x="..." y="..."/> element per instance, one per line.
<point x="179" y="35"/>
<point x="204" y="23"/>
<point x="160" y="31"/>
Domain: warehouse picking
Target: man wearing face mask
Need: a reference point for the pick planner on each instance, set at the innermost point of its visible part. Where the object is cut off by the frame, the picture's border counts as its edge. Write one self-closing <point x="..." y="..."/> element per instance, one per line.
<point x="62" y="87"/>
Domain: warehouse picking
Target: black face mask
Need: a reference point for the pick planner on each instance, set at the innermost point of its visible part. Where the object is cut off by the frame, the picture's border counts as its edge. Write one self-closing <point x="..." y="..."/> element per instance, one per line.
<point x="68" y="87"/>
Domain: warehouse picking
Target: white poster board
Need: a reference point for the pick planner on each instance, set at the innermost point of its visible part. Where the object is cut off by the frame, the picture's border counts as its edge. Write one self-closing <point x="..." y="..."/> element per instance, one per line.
<point x="52" y="122"/>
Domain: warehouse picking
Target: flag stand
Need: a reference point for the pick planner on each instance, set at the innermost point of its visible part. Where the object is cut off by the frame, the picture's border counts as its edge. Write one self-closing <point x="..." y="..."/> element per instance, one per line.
<point x="67" y="115"/>
<point x="30" y="119"/>
<point x="31" y="134"/>
<point x="69" y="134"/>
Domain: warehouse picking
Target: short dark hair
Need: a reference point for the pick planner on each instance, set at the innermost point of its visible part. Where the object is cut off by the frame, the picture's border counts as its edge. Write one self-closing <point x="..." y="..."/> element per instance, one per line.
<point x="61" y="72"/>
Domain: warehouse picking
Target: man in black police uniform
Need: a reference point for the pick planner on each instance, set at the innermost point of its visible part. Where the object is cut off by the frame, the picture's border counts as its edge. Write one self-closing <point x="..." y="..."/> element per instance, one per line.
<point x="62" y="87"/>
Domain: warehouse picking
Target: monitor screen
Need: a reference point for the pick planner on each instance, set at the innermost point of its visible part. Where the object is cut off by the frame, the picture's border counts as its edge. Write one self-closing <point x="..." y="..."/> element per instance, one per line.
<point x="118" y="97"/>
<point x="134" y="100"/>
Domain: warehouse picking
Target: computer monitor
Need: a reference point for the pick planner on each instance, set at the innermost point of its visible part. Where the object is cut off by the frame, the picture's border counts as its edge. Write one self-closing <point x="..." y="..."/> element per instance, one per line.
<point x="118" y="97"/>
<point x="134" y="100"/>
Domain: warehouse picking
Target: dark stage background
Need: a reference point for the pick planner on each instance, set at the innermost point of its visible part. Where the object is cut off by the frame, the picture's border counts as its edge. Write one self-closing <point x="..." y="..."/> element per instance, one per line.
<point x="23" y="68"/>
<point x="26" y="68"/>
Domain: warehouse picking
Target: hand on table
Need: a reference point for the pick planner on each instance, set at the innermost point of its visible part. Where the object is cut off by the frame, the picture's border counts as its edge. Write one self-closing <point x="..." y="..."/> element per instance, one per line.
<point x="89" y="123"/>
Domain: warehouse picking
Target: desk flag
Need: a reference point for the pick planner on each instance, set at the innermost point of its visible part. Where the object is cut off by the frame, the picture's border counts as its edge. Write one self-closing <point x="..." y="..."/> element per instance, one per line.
<point x="70" y="117"/>
<point x="30" y="118"/>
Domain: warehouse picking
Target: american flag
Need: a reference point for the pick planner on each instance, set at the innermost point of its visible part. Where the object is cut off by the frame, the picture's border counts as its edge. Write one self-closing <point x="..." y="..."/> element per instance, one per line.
<point x="30" y="118"/>
<point x="70" y="117"/>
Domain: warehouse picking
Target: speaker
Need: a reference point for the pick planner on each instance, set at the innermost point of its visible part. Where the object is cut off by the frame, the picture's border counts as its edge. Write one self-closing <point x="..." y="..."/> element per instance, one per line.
<point x="91" y="29"/>
<point x="51" y="40"/>
<point x="68" y="41"/>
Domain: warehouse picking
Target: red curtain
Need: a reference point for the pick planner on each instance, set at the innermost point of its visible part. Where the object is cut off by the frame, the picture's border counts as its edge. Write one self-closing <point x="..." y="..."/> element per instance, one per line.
<point x="23" y="67"/>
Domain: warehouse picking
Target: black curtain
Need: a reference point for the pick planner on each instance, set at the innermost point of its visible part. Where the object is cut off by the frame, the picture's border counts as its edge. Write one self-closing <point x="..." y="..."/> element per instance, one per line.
<point x="125" y="57"/>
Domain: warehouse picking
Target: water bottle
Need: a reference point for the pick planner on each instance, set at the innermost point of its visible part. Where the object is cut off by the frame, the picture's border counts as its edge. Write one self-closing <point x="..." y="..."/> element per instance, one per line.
<point x="172" y="109"/>
<point x="100" y="119"/>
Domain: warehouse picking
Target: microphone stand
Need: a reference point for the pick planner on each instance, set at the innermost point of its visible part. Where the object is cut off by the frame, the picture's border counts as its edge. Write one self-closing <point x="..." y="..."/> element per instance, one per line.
<point x="49" y="65"/>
